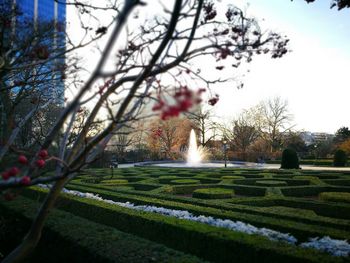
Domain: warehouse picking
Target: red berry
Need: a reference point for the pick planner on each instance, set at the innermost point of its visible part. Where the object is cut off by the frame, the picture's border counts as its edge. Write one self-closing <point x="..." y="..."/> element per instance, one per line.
<point x="5" y="175"/>
<point x="40" y="163"/>
<point x="25" y="180"/>
<point x="13" y="171"/>
<point x="22" y="159"/>
<point x="43" y="154"/>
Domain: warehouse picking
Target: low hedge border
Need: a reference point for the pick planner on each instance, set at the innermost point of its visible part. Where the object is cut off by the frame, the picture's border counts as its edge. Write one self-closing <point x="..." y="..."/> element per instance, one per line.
<point x="335" y="197"/>
<point x="211" y="243"/>
<point x="213" y="193"/>
<point x="86" y="241"/>
<point x="270" y="183"/>
<point x="299" y="229"/>
<point x="338" y="182"/>
<point x="336" y="211"/>
<point x="184" y="181"/>
<point x="304" y="191"/>
<point x="241" y="212"/>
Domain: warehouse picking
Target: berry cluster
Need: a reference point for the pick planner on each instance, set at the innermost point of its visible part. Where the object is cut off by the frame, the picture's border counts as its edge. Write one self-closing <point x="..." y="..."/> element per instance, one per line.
<point x="22" y="159"/>
<point x="184" y="100"/>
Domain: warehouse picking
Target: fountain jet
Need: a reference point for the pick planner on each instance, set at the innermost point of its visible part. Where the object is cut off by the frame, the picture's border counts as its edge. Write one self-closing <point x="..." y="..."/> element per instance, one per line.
<point x="194" y="155"/>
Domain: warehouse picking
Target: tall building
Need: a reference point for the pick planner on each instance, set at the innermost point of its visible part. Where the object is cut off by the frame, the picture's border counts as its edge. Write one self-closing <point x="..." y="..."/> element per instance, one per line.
<point x="32" y="65"/>
<point x="44" y="19"/>
<point x="42" y="10"/>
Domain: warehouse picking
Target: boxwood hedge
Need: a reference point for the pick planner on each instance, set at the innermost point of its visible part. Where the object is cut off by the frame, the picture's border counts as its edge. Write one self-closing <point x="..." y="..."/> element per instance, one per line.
<point x="69" y="238"/>
<point x="211" y="243"/>
<point x="213" y="193"/>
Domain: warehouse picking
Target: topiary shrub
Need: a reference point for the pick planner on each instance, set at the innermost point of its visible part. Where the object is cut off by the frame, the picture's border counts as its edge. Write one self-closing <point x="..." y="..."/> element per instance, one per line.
<point x="290" y="159"/>
<point x="340" y="158"/>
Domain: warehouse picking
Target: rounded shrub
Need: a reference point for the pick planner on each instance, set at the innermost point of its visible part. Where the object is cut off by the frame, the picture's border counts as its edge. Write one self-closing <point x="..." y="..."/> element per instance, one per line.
<point x="340" y="158"/>
<point x="335" y="197"/>
<point x="290" y="159"/>
<point x="213" y="193"/>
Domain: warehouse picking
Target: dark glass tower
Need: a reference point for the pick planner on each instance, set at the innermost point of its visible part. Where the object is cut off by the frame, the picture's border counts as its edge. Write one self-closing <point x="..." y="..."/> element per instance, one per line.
<point x="46" y="19"/>
<point x="32" y="66"/>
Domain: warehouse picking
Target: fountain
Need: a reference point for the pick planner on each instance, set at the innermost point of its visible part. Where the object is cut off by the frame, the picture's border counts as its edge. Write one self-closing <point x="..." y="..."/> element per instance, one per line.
<point x="194" y="154"/>
<point x="195" y="159"/>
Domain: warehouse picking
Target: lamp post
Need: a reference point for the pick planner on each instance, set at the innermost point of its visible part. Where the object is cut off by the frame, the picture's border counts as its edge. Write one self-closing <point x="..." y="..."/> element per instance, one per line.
<point x="224" y="142"/>
<point x="315" y="147"/>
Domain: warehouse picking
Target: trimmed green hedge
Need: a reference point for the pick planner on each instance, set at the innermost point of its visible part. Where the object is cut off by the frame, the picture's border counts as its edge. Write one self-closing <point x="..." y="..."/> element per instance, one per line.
<point x="114" y="181"/>
<point x="213" y="193"/>
<point x="260" y="217"/>
<point x="270" y="183"/>
<point x="212" y="243"/>
<point x="232" y="177"/>
<point x="338" y="182"/>
<point x="306" y="191"/>
<point x="185" y="181"/>
<point x="323" y="211"/>
<point x="335" y="197"/>
<point x="68" y="238"/>
<point x="333" y="211"/>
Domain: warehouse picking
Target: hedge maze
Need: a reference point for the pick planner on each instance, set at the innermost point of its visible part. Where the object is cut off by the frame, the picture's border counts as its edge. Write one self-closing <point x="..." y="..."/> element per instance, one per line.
<point x="305" y="204"/>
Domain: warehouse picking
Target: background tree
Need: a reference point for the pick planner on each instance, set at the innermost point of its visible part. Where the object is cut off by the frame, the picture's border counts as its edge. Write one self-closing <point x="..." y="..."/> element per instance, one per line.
<point x="169" y="137"/>
<point x="203" y="123"/>
<point x="342" y="134"/>
<point x="345" y="146"/>
<point x="243" y="132"/>
<point x="120" y="143"/>
<point x="276" y="118"/>
<point x="293" y="140"/>
<point x="78" y="124"/>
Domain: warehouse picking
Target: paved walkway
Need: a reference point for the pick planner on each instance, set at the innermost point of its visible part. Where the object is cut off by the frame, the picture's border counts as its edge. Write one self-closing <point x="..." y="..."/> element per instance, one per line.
<point x="274" y="166"/>
<point x="310" y="167"/>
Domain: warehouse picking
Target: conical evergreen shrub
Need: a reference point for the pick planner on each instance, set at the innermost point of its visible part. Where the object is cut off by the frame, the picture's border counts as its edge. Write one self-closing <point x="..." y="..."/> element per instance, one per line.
<point x="340" y="158"/>
<point x="290" y="159"/>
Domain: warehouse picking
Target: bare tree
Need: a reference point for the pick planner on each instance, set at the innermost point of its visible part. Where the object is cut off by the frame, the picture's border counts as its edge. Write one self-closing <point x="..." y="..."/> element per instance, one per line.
<point x="203" y="123"/>
<point x="81" y="115"/>
<point x="277" y="119"/>
<point x="169" y="136"/>
<point x="243" y="132"/>
<point x="164" y="46"/>
<point x="120" y="142"/>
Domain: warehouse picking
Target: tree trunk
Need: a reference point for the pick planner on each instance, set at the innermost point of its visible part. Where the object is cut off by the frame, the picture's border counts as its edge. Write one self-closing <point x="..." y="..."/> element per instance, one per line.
<point x="30" y="241"/>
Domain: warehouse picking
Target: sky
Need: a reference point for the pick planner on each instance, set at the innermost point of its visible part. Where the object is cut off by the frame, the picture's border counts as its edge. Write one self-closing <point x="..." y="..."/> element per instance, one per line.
<point x="313" y="77"/>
